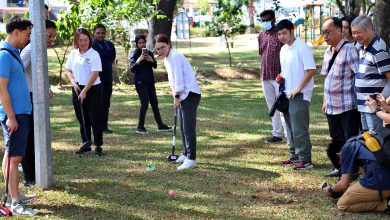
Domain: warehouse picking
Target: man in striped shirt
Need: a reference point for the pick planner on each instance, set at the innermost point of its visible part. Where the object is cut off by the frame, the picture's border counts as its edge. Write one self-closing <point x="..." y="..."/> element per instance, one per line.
<point x="374" y="68"/>
<point x="339" y="103"/>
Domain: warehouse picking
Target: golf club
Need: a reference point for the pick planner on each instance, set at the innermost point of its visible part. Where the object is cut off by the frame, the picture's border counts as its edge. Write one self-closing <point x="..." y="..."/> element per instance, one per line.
<point x="173" y="157"/>
<point x="88" y="143"/>
<point x="5" y="211"/>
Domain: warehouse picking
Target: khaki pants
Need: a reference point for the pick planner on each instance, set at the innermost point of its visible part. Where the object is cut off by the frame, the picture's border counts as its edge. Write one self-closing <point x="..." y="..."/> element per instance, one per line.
<point x="359" y="199"/>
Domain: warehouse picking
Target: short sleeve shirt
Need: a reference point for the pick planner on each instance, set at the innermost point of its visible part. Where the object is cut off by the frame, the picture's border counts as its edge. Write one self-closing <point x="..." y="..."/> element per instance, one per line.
<point x="82" y="65"/>
<point x="294" y="60"/>
<point x="12" y="69"/>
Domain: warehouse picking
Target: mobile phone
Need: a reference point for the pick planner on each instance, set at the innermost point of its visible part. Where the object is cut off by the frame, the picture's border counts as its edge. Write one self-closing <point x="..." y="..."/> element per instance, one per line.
<point x="144" y="51"/>
<point x="373" y="96"/>
<point x="324" y="184"/>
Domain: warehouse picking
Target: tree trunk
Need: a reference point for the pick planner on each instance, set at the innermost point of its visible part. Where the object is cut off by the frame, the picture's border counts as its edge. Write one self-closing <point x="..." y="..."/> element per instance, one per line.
<point x="251" y="13"/>
<point x="161" y="26"/>
<point x="340" y="5"/>
<point x="382" y="24"/>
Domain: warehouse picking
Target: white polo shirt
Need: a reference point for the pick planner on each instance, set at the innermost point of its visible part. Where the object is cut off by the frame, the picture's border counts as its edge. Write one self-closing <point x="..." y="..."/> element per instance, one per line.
<point x="180" y="74"/>
<point x="82" y="65"/>
<point x="294" y="60"/>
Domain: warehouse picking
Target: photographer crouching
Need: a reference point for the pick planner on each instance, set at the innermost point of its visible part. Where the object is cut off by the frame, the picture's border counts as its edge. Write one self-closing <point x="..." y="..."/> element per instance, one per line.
<point x="372" y="191"/>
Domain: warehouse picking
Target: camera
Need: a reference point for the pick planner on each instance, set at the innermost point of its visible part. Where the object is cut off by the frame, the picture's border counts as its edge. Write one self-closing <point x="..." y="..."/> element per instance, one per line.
<point x="373" y="96"/>
<point x="144" y="51"/>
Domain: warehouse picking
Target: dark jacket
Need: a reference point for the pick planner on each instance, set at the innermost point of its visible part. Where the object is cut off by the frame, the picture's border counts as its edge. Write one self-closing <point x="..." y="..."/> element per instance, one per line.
<point x="107" y="54"/>
<point x="143" y="73"/>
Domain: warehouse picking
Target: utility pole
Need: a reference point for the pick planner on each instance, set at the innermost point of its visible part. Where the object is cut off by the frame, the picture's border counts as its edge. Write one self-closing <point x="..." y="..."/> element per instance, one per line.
<point x="40" y="88"/>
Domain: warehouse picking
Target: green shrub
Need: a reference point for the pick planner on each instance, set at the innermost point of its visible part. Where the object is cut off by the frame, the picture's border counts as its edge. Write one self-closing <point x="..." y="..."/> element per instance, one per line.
<point x="241" y="28"/>
<point x="3" y="35"/>
<point x="258" y="28"/>
<point x="212" y="30"/>
<point x="141" y="31"/>
<point x="198" y="32"/>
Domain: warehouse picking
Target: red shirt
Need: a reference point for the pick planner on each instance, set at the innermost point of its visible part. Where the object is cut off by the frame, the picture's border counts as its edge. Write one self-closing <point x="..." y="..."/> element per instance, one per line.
<point x="269" y="49"/>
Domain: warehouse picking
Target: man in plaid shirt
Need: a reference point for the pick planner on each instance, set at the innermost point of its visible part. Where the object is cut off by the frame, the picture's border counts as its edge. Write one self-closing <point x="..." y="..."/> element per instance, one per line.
<point x="339" y="102"/>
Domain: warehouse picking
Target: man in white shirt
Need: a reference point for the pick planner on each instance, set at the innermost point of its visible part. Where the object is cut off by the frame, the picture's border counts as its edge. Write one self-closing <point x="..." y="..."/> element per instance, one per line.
<point x="298" y="68"/>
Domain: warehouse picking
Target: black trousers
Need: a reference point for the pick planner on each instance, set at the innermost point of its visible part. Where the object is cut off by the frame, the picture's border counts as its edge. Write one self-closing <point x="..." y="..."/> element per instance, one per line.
<point x="188" y="110"/>
<point x="341" y="127"/>
<point x="147" y="94"/>
<point x="28" y="161"/>
<point x="92" y="106"/>
<point x="107" y="92"/>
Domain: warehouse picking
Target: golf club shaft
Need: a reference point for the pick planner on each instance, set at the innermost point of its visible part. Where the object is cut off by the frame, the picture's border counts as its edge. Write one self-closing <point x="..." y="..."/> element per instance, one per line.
<point x="174" y="132"/>
<point x="8" y="165"/>
<point x="83" y="120"/>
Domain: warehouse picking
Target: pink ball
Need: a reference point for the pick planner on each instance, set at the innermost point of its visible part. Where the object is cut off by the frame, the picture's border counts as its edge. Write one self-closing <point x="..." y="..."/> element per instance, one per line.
<point x="171" y="193"/>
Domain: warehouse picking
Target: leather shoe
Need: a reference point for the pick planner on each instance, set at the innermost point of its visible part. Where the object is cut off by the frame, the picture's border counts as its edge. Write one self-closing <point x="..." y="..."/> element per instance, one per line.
<point x="334" y="173"/>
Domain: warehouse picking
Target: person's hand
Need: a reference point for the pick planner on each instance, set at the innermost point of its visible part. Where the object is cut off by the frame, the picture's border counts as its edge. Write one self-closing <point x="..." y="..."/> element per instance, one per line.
<point x="324" y="108"/>
<point x="325" y="190"/>
<point x="381" y="99"/>
<point x="12" y="125"/>
<point x="51" y="93"/>
<point x="294" y="93"/>
<point x="76" y="88"/>
<point x="371" y="103"/>
<point x="149" y="58"/>
<point x="82" y="96"/>
<point x="176" y="103"/>
<point x="140" y="58"/>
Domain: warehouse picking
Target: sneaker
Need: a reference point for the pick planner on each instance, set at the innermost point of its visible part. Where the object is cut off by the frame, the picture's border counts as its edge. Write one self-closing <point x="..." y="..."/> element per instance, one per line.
<point x="141" y="130"/>
<point x="20" y="168"/>
<point x="274" y="139"/>
<point x="22" y="209"/>
<point x="334" y="173"/>
<point x="28" y="183"/>
<point x="22" y="197"/>
<point x="98" y="151"/>
<point x="303" y="166"/>
<point x="289" y="162"/>
<point x="164" y="127"/>
<point x="85" y="148"/>
<point x="187" y="164"/>
<point x="181" y="159"/>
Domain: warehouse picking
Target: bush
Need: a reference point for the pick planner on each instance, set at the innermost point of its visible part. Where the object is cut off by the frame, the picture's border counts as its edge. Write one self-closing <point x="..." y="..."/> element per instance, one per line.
<point x="212" y="30"/>
<point x="141" y="31"/>
<point x="3" y="35"/>
<point x="241" y="28"/>
<point x="198" y="32"/>
<point x="258" y="28"/>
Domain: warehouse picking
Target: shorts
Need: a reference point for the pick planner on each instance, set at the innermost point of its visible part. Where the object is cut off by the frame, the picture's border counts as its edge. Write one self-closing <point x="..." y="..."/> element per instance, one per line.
<point x="17" y="147"/>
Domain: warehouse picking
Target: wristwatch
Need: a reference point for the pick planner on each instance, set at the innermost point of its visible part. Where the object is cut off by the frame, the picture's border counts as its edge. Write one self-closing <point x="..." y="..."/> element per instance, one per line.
<point x="378" y="109"/>
<point x="177" y="96"/>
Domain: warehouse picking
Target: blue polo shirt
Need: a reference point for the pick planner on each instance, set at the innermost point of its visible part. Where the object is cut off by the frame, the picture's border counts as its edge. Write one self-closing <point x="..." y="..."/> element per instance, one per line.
<point x="17" y="87"/>
<point x="355" y="154"/>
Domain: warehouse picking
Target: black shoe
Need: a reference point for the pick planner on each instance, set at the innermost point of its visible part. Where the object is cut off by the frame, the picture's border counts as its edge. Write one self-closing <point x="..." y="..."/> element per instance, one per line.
<point x="98" y="151"/>
<point x="28" y="182"/>
<point x="142" y="130"/>
<point x="85" y="148"/>
<point x="164" y="127"/>
<point x="274" y="139"/>
<point x="334" y="173"/>
<point x="107" y="130"/>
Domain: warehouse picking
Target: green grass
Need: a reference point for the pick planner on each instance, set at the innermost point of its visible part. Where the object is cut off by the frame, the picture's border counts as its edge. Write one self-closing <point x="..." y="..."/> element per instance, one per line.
<point x="238" y="176"/>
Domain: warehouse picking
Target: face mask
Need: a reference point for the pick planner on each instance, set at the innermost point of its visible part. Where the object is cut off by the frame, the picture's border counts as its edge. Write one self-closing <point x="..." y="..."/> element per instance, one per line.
<point x="267" y="25"/>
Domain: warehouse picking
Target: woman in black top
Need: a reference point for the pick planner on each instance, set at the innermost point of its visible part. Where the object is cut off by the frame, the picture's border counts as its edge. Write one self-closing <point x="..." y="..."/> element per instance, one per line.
<point x="142" y="63"/>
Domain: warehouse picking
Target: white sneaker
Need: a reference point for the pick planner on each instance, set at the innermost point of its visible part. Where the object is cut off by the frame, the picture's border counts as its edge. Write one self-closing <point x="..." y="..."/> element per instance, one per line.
<point x="187" y="164"/>
<point x="22" y="197"/>
<point x="22" y="209"/>
<point x="181" y="159"/>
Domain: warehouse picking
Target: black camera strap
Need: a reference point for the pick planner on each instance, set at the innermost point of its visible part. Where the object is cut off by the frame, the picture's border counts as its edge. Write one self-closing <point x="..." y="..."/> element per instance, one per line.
<point x="331" y="61"/>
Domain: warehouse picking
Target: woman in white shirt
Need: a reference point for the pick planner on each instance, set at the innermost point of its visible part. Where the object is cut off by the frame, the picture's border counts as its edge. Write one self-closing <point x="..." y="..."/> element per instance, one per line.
<point x="186" y="93"/>
<point x="83" y="67"/>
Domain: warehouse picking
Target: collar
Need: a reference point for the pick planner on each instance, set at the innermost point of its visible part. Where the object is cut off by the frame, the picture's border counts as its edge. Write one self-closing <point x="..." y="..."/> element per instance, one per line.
<point x="376" y="38"/>
<point x="86" y="52"/>
<point x="9" y="46"/>
<point x="341" y="43"/>
<point x="296" y="42"/>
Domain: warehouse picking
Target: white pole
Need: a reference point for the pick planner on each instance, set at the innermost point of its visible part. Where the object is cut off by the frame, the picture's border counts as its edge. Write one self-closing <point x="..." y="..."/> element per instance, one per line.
<point x="40" y="88"/>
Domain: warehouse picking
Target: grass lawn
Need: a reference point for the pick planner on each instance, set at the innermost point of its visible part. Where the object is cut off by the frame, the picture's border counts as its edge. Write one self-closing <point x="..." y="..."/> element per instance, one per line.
<point x="237" y="176"/>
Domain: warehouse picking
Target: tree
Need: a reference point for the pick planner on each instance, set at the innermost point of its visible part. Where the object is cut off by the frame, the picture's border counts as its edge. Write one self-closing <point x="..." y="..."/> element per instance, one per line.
<point x="228" y="19"/>
<point x="251" y="15"/>
<point x="382" y="26"/>
<point x="161" y="23"/>
<point x="354" y="7"/>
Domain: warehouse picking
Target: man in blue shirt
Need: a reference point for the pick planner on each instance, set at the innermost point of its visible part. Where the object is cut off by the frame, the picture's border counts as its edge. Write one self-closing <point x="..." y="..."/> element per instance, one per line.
<point x="15" y="106"/>
<point x="365" y="194"/>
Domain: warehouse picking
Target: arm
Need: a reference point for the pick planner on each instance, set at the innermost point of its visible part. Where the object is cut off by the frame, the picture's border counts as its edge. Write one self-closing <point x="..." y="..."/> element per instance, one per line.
<point x="259" y="44"/>
<point x="306" y="79"/>
<point x="72" y="81"/>
<point x="114" y="52"/>
<point x="83" y="93"/>
<point x="340" y="187"/>
<point x="11" y="122"/>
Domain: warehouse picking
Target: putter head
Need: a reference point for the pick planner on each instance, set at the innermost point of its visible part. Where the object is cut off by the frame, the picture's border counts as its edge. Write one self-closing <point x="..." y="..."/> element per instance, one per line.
<point x="172" y="158"/>
<point x="4" y="211"/>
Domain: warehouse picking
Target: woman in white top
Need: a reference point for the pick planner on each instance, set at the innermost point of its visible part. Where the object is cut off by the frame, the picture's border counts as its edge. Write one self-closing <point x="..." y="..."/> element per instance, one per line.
<point x="83" y="66"/>
<point x="186" y="93"/>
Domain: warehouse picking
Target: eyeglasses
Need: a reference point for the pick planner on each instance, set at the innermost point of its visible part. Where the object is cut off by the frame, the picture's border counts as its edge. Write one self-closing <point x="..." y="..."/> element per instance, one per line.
<point x="161" y="48"/>
<point x="51" y="36"/>
<point x="266" y="20"/>
<point x="326" y="33"/>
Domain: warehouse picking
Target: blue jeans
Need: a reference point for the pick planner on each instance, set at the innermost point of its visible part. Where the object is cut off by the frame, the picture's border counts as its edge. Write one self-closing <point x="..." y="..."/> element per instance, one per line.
<point x="297" y="121"/>
<point x="370" y="121"/>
